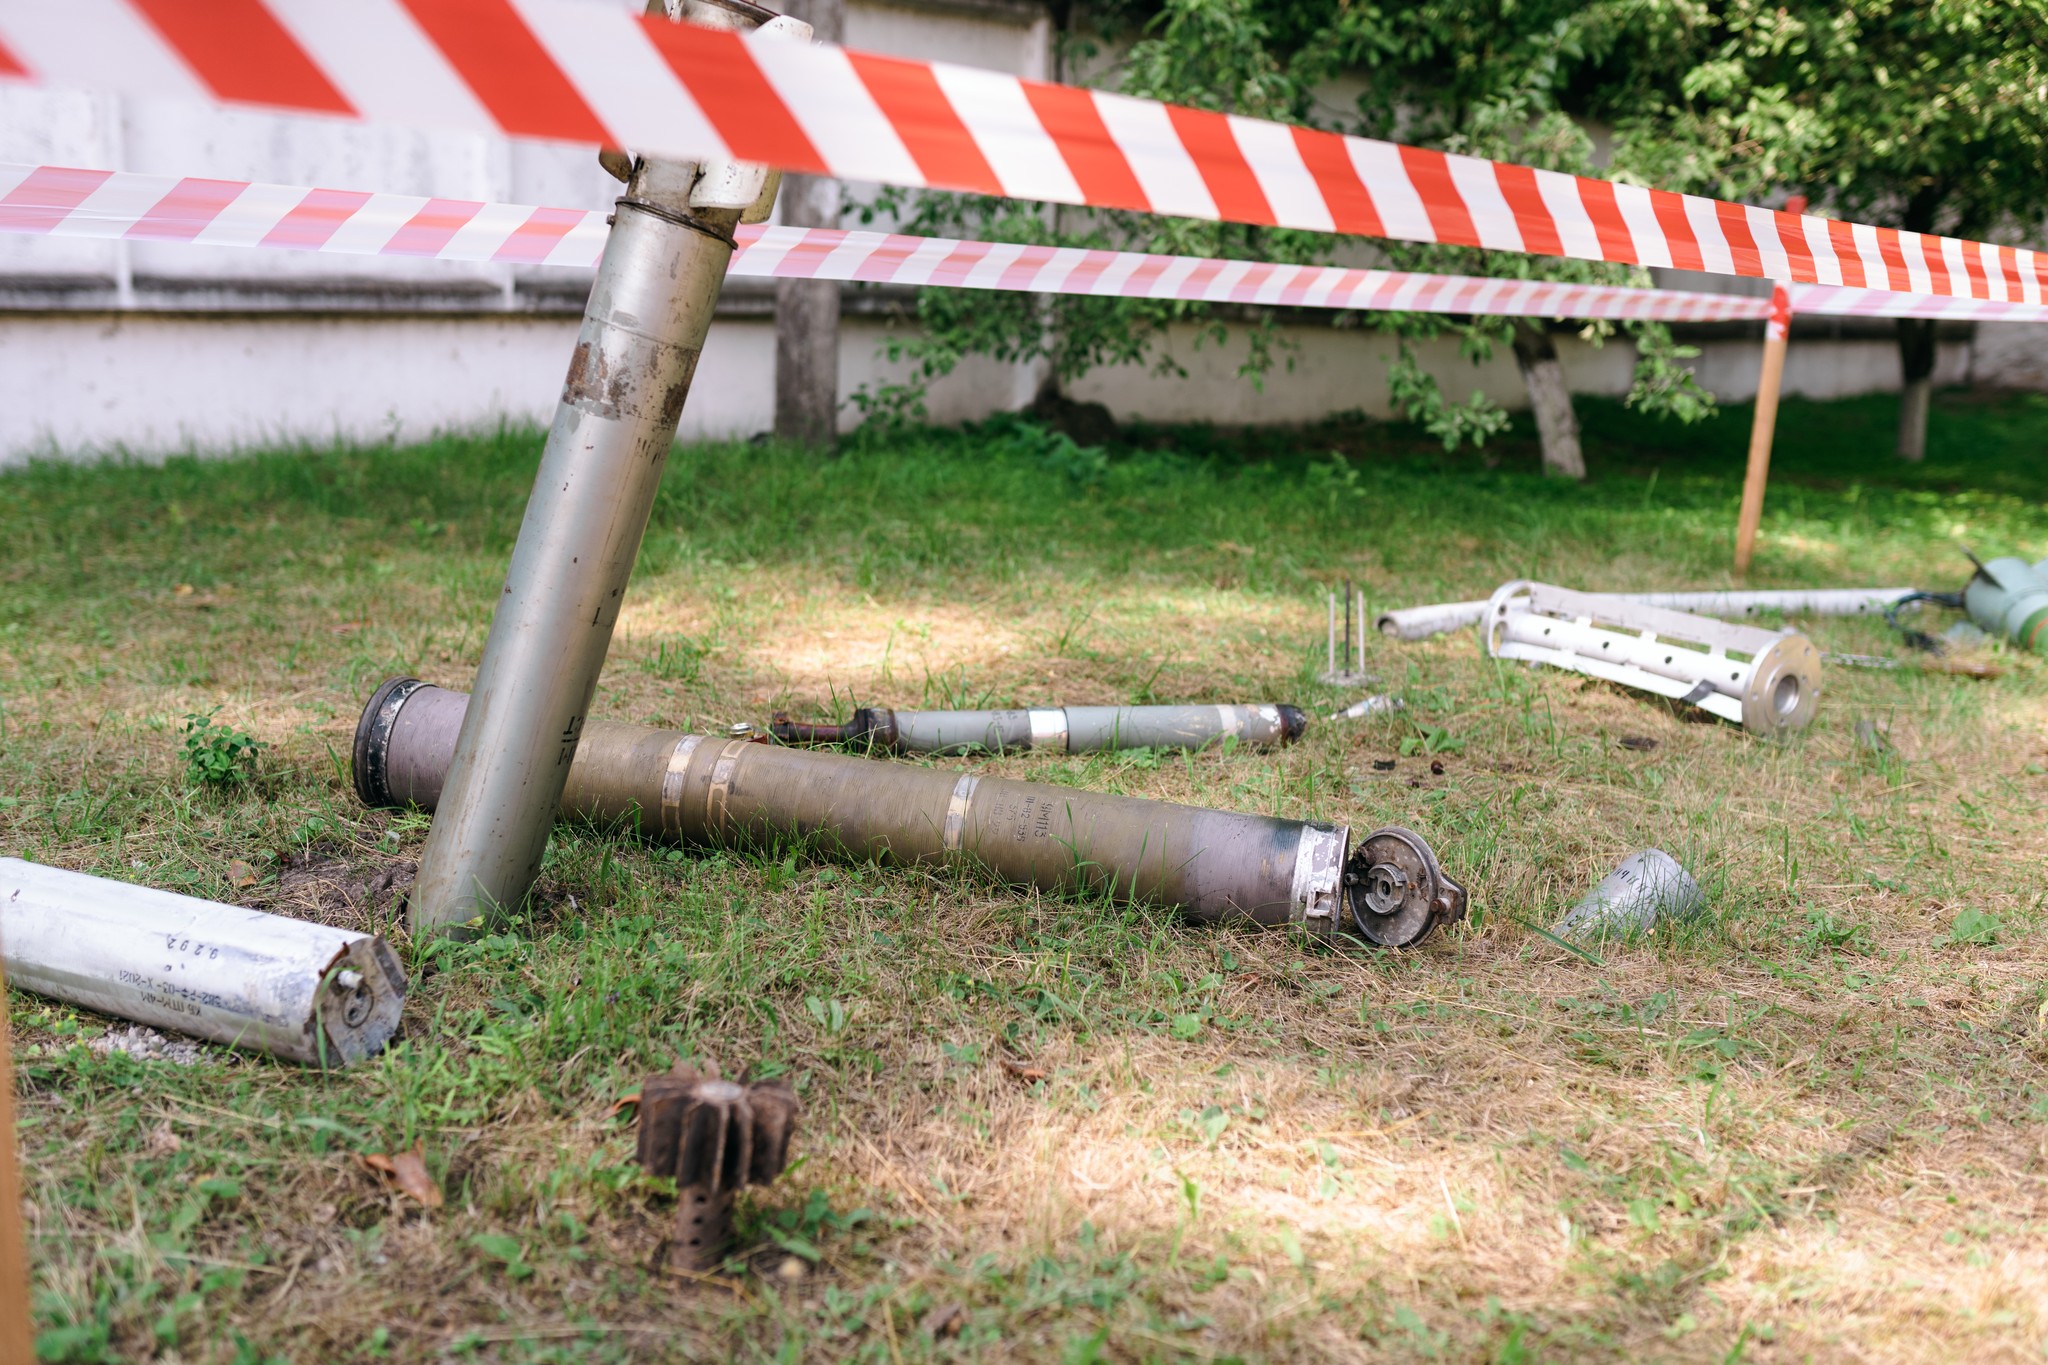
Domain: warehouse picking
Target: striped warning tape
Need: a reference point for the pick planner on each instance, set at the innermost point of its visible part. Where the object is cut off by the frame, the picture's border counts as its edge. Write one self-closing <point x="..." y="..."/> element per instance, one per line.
<point x="70" y="202"/>
<point x="1840" y="302"/>
<point x="67" y="201"/>
<point x="602" y="73"/>
<point x="817" y="253"/>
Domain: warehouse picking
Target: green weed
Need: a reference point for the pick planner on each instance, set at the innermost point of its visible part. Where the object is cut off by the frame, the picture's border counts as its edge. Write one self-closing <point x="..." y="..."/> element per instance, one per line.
<point x="217" y="754"/>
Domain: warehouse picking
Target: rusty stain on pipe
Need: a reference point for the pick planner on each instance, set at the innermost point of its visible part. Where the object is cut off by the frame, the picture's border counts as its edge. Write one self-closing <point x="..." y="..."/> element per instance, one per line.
<point x="1385" y="887"/>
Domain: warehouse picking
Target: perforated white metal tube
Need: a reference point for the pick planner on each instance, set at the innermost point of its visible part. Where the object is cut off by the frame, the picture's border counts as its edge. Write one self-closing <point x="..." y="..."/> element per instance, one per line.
<point x="1645" y="651"/>
<point x="1767" y="681"/>
<point x="1438" y="618"/>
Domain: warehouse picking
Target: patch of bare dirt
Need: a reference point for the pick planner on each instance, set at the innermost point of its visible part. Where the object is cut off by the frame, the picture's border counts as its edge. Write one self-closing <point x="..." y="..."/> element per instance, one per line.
<point x="345" y="890"/>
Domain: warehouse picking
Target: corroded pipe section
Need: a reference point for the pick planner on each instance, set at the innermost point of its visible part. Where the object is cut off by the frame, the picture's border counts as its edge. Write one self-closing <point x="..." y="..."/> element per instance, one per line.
<point x="1059" y="729"/>
<point x="1385" y="887"/>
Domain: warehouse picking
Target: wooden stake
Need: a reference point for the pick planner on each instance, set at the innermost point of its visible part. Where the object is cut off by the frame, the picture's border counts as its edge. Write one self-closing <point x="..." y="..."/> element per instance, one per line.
<point x="1761" y="430"/>
<point x="17" y="1328"/>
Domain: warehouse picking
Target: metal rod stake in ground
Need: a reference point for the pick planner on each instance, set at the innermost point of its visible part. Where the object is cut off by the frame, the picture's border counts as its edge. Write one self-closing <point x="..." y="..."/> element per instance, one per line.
<point x="643" y="329"/>
<point x="1360" y="604"/>
<point x="1347" y="620"/>
<point x="1331" y="669"/>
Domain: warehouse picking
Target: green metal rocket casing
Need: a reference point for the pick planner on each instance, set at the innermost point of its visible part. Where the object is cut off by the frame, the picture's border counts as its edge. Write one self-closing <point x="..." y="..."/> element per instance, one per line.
<point x="2009" y="597"/>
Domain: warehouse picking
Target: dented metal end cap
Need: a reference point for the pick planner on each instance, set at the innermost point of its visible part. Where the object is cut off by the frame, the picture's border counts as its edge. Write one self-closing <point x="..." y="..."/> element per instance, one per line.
<point x="1783" y="690"/>
<point x="373" y="741"/>
<point x="1396" y="892"/>
<point x="359" y="1010"/>
<point x="739" y="14"/>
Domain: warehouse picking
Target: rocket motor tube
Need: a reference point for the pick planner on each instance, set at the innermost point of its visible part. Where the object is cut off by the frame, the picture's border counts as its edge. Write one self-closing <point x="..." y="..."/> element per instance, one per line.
<point x="1439" y="618"/>
<point x="1059" y="729"/>
<point x="1386" y="887"/>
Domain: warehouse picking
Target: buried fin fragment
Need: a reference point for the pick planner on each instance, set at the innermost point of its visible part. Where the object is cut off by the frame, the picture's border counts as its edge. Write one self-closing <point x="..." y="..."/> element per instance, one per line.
<point x="712" y="1136"/>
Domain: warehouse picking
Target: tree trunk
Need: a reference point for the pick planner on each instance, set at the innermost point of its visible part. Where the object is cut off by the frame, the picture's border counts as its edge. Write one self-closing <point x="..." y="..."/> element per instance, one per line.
<point x="1557" y="426"/>
<point x="1916" y="368"/>
<point x="1916" y="335"/>
<point x="807" y="311"/>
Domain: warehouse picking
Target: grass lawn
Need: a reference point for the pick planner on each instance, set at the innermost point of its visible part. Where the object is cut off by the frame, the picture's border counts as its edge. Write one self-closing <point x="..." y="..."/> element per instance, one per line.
<point x="1810" y="1126"/>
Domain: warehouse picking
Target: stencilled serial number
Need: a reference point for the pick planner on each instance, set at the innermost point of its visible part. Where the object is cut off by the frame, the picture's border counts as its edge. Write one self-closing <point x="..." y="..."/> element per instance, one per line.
<point x="181" y="998"/>
<point x="187" y="947"/>
<point x="1034" y="819"/>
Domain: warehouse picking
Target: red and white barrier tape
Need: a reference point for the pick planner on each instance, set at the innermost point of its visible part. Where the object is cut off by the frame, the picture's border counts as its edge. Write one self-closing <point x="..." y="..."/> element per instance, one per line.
<point x="69" y="202"/>
<point x="65" y="201"/>
<point x="1879" y="303"/>
<point x="817" y="253"/>
<point x="1778" y="321"/>
<point x="588" y="72"/>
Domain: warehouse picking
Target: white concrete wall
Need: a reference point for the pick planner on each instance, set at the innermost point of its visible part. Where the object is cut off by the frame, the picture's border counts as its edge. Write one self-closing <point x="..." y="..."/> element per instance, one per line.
<point x="153" y="384"/>
<point x="1334" y="370"/>
<point x="2011" y="355"/>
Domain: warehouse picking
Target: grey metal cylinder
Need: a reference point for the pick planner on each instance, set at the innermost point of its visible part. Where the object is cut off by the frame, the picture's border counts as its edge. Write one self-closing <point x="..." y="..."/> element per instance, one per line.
<point x="1647" y="886"/>
<point x="303" y="992"/>
<point x="643" y="329"/>
<point x="1385" y="887"/>
<point x="1060" y="729"/>
<point x="2010" y="598"/>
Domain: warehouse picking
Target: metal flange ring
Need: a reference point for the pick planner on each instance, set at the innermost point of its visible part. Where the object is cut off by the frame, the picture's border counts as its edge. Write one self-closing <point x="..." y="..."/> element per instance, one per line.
<point x="1395" y="891"/>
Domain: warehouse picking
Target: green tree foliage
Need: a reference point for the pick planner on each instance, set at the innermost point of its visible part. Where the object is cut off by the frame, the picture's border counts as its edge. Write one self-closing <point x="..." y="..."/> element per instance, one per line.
<point x="1498" y="80"/>
<point x="1929" y="115"/>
